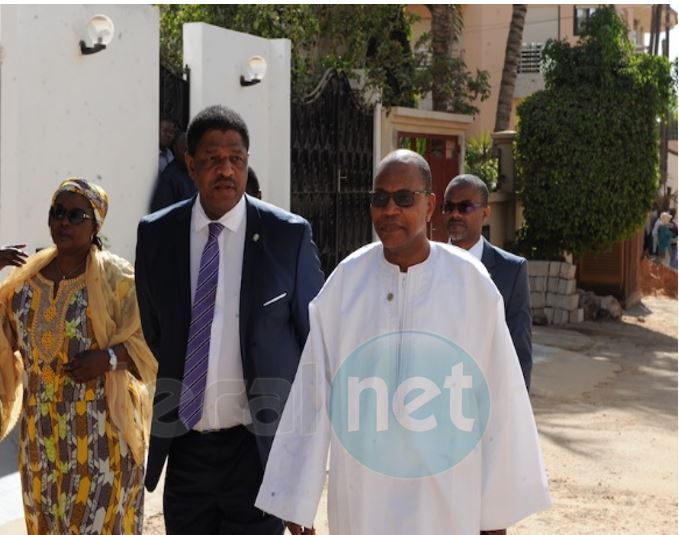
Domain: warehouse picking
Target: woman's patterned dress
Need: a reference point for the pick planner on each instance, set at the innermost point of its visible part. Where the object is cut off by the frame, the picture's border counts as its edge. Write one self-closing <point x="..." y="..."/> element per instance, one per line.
<point x="77" y="473"/>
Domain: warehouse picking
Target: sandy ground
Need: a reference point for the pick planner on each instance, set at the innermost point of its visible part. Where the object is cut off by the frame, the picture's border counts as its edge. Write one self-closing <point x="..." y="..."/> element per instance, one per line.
<point x="605" y="401"/>
<point x="611" y="450"/>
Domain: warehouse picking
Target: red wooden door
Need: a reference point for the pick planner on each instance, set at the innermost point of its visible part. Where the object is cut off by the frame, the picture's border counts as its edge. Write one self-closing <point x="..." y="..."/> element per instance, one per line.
<point x="443" y="155"/>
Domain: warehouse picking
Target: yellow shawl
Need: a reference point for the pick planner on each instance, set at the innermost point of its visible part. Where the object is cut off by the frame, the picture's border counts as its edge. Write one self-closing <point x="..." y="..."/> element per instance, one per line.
<point x="115" y="320"/>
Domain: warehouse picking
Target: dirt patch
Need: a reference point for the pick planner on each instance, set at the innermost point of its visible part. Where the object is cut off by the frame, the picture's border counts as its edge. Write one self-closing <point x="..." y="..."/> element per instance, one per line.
<point x="611" y="454"/>
<point x="657" y="279"/>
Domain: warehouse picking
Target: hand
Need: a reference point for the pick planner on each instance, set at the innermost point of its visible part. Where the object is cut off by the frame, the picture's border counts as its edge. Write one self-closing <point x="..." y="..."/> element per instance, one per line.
<point x="12" y="255"/>
<point x="296" y="529"/>
<point x="87" y="365"/>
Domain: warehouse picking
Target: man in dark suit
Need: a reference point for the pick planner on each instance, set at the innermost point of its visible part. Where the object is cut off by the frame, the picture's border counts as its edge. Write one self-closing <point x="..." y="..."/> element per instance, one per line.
<point x="465" y="209"/>
<point x="252" y="187"/>
<point x="174" y="184"/>
<point x="224" y="282"/>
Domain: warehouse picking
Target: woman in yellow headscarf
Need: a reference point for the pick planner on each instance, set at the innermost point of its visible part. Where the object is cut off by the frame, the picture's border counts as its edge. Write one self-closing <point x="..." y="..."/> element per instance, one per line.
<point x="77" y="374"/>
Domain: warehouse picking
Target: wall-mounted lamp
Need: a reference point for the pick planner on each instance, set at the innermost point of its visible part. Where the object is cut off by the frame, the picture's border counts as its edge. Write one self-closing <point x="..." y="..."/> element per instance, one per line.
<point x="100" y="32"/>
<point x="254" y="71"/>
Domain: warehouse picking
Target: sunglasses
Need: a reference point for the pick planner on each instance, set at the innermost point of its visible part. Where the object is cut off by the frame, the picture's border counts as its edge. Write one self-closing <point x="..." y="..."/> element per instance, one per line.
<point x="75" y="216"/>
<point x="403" y="198"/>
<point x="464" y="207"/>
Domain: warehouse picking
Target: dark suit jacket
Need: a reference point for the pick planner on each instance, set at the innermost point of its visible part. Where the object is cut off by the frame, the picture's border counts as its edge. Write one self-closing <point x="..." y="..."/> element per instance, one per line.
<point x="279" y="257"/>
<point x="173" y="185"/>
<point x="510" y="274"/>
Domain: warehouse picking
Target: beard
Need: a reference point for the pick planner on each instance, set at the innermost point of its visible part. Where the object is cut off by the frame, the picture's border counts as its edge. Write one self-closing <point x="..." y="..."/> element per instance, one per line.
<point x="457" y="232"/>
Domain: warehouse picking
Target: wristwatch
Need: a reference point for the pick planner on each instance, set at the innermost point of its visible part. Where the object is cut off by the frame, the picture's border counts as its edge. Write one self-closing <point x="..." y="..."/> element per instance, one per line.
<point x="112" y="359"/>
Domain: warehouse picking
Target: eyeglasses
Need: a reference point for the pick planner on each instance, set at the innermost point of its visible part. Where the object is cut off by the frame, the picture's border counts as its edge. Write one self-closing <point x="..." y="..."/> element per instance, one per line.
<point x="75" y="216"/>
<point x="403" y="198"/>
<point x="464" y="207"/>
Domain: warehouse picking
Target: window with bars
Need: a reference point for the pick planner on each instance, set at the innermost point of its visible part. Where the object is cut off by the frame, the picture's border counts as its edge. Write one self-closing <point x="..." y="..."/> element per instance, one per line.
<point x="529" y="62"/>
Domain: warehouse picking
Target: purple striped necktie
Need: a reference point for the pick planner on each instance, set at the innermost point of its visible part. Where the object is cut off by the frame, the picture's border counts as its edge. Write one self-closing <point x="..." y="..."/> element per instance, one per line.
<point x="198" y="347"/>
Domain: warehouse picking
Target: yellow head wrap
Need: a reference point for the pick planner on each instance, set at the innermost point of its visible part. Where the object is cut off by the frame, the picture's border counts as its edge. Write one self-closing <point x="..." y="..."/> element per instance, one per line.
<point x="94" y="194"/>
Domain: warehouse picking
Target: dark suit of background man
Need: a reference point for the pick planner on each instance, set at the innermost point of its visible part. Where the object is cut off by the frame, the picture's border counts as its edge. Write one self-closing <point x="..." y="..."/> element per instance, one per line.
<point x="174" y="184"/>
<point x="465" y="209"/>
<point x="252" y="187"/>
<point x="165" y="137"/>
<point x="224" y="282"/>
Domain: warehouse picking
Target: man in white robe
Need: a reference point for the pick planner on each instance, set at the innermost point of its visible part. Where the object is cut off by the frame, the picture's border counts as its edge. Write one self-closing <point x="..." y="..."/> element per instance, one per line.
<point x="379" y="313"/>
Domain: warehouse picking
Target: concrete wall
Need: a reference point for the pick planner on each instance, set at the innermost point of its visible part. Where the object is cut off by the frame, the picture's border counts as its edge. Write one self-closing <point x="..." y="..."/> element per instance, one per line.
<point x="541" y="24"/>
<point x="62" y="114"/>
<point x="216" y="58"/>
<point x="506" y="217"/>
<point x="483" y="43"/>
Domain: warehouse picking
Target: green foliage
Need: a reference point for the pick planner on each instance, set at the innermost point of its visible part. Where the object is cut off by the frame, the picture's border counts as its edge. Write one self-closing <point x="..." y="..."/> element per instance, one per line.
<point x="295" y="22"/>
<point x="479" y="160"/>
<point x="367" y="41"/>
<point x="457" y="83"/>
<point x="587" y="145"/>
<point x="373" y="40"/>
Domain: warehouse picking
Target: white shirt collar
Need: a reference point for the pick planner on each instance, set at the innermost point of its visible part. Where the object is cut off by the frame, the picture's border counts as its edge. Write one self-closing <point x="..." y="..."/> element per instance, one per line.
<point x="415" y="267"/>
<point x="477" y="249"/>
<point x="231" y="220"/>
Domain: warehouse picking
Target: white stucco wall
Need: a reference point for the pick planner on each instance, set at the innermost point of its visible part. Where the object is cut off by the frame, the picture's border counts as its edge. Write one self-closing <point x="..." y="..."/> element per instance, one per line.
<point x="541" y="24"/>
<point x="63" y="114"/>
<point x="216" y="58"/>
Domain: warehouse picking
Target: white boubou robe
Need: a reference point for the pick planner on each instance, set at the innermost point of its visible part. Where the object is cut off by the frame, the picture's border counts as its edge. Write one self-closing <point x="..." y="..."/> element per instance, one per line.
<point x="450" y="295"/>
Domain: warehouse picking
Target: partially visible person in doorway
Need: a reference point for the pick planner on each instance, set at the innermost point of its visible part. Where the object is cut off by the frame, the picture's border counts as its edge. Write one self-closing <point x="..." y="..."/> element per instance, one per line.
<point x="165" y="138"/>
<point x="649" y="239"/>
<point x="465" y="210"/>
<point x="654" y="235"/>
<point x="75" y="372"/>
<point x="174" y="184"/>
<point x="252" y="186"/>
<point x="665" y="238"/>
<point x="673" y="246"/>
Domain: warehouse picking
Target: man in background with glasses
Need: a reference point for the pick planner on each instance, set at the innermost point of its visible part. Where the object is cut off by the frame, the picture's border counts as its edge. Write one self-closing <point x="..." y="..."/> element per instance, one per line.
<point x="409" y="323"/>
<point x="465" y="210"/>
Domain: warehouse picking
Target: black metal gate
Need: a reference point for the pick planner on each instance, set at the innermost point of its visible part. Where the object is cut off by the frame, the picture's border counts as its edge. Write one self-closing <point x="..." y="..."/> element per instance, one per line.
<point x="331" y="167"/>
<point x="174" y="97"/>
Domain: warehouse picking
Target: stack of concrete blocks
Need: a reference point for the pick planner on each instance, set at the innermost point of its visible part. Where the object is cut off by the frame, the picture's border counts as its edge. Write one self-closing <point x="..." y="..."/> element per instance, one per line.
<point x="553" y="293"/>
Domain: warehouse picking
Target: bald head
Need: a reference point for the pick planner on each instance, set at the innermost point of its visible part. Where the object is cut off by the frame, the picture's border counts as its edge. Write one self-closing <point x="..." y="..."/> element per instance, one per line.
<point x="406" y="157"/>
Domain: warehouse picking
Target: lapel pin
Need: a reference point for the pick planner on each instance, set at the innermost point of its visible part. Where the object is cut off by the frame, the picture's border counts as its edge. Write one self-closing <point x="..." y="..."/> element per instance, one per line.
<point x="255" y="237"/>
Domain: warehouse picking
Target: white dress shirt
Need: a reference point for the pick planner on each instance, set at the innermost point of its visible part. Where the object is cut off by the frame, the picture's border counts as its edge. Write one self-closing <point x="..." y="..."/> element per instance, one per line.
<point x="476" y="250"/>
<point x="165" y="156"/>
<point x="225" y="402"/>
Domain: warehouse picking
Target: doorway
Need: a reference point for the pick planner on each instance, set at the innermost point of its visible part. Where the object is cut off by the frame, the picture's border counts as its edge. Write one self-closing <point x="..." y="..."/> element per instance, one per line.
<point x="443" y="155"/>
